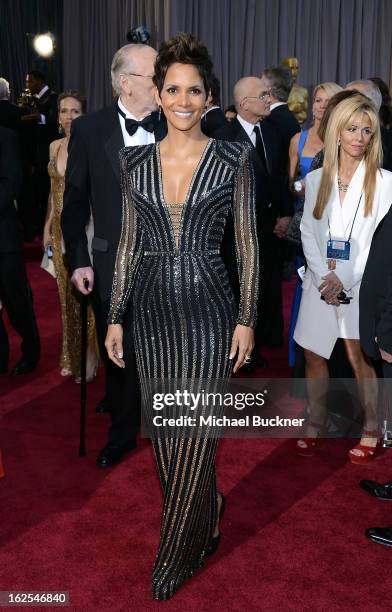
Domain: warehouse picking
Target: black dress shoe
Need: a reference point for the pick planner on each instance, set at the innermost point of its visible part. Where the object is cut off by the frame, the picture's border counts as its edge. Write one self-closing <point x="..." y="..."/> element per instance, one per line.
<point x="381" y="535"/>
<point x="102" y="407"/>
<point x="111" y="454"/>
<point x="381" y="491"/>
<point x="24" y="366"/>
<point x="215" y="541"/>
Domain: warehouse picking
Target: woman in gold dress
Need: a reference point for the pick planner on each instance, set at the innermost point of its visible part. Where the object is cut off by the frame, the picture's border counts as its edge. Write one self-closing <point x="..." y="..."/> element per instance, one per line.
<point x="70" y="105"/>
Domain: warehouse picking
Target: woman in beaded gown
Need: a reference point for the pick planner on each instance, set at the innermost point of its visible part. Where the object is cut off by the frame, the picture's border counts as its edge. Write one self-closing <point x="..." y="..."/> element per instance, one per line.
<point x="177" y="195"/>
<point x="70" y="105"/>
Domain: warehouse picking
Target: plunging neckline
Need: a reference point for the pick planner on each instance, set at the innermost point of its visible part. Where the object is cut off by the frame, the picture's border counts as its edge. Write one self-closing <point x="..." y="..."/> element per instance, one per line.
<point x="166" y="205"/>
<point x="55" y="160"/>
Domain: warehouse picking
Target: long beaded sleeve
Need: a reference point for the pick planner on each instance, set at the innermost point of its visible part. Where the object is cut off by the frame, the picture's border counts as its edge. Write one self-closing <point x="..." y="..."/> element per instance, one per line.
<point x="129" y="250"/>
<point x="247" y="250"/>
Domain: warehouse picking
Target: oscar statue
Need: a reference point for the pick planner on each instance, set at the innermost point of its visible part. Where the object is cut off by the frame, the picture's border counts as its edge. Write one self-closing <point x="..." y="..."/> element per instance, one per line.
<point x="298" y="98"/>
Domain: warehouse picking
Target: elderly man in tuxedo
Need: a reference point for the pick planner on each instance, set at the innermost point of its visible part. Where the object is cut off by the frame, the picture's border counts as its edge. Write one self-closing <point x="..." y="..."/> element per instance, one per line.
<point x="273" y="199"/>
<point x="93" y="178"/>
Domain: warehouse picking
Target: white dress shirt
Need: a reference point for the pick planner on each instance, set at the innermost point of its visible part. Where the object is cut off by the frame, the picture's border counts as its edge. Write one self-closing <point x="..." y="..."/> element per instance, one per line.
<point x="140" y="137"/>
<point x="277" y="104"/>
<point x="39" y="95"/>
<point x="249" y="128"/>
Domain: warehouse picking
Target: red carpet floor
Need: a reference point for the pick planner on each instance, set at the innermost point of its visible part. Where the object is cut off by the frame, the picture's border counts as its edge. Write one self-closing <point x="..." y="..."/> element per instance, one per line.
<point x="292" y="533"/>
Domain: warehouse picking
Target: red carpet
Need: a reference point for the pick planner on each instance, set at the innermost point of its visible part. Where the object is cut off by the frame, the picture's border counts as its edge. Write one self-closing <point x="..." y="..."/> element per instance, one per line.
<point x="292" y="532"/>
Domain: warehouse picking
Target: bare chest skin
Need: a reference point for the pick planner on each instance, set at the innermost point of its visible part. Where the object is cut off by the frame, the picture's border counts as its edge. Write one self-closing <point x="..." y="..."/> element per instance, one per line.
<point x="62" y="157"/>
<point x="313" y="144"/>
<point x="178" y="171"/>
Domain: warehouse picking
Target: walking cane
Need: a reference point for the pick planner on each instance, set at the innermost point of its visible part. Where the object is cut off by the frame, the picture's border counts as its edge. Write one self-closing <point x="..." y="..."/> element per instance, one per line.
<point x="83" y="362"/>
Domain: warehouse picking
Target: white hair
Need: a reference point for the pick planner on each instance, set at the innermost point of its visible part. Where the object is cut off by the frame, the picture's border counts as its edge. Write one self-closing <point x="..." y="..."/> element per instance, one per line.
<point x="4" y="89"/>
<point x="369" y="89"/>
<point x="122" y="63"/>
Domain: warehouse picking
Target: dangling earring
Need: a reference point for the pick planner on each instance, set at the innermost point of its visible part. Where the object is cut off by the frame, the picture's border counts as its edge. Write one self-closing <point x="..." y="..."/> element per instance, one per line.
<point x="159" y="113"/>
<point x="338" y="142"/>
<point x="60" y="129"/>
<point x="204" y="114"/>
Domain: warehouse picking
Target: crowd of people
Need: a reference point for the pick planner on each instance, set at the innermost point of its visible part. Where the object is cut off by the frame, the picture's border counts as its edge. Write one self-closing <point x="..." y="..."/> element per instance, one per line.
<point x="176" y="218"/>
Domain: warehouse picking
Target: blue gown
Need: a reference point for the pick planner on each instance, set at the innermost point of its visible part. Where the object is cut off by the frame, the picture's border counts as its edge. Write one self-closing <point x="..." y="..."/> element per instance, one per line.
<point x="303" y="169"/>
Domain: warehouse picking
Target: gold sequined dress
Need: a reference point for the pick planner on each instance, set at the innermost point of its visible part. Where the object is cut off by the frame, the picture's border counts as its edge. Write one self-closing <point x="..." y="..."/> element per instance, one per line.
<point x="184" y="317"/>
<point x="69" y="299"/>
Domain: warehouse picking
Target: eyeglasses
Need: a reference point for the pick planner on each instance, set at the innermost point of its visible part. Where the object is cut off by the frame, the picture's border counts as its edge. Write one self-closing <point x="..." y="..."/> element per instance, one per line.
<point x="145" y="76"/>
<point x="262" y="96"/>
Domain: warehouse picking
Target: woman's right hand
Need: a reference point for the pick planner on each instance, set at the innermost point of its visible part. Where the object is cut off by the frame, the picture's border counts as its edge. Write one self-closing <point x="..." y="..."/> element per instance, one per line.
<point x="114" y="344"/>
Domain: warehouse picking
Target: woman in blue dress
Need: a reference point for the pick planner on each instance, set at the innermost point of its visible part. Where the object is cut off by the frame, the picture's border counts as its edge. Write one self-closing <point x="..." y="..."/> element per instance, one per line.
<point x="303" y="147"/>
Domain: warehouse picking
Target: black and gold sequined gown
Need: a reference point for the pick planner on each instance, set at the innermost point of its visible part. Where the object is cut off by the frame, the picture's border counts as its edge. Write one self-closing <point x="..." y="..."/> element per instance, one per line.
<point x="184" y="318"/>
<point x="69" y="302"/>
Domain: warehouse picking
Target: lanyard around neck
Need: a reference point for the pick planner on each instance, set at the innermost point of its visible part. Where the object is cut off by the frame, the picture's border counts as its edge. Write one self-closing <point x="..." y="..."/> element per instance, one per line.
<point x="352" y="226"/>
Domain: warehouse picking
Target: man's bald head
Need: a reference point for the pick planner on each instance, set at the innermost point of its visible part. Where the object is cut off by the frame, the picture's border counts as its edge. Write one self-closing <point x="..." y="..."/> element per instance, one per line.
<point x="251" y="102"/>
<point x="247" y="86"/>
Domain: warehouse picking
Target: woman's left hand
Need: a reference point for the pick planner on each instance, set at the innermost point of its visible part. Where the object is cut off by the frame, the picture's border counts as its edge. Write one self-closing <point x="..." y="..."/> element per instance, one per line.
<point x="242" y="345"/>
<point x="330" y="288"/>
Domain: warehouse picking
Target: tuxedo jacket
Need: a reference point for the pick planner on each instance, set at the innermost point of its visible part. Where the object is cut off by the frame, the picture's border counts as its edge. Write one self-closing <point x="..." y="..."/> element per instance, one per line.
<point x="212" y="121"/>
<point x="47" y="106"/>
<point x="278" y="129"/>
<point x="93" y="179"/>
<point x="10" y="185"/>
<point x="375" y="297"/>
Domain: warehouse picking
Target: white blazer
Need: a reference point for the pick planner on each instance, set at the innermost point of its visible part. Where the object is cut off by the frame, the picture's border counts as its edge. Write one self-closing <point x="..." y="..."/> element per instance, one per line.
<point x="319" y="324"/>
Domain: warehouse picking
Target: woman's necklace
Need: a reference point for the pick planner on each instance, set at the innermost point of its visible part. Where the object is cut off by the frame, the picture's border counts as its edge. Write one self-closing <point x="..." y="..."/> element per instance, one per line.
<point x="342" y="186"/>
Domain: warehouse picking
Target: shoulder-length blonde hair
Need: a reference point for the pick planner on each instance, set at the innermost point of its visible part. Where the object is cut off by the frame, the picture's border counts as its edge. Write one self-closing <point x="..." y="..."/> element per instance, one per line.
<point x="342" y="115"/>
<point x="330" y="89"/>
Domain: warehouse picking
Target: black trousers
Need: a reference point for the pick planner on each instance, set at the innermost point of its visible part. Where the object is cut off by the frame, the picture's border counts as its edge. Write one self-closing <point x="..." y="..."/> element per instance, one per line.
<point x="269" y="329"/>
<point x="17" y="299"/>
<point x="122" y="391"/>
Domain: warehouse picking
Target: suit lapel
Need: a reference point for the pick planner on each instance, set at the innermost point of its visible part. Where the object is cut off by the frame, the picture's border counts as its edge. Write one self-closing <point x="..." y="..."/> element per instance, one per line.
<point x="241" y="135"/>
<point x="114" y="144"/>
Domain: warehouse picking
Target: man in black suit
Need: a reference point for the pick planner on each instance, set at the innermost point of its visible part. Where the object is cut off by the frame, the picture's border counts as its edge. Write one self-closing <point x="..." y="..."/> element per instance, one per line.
<point x="213" y="117"/>
<point x="15" y="292"/>
<point x="375" y="329"/>
<point x="252" y="105"/>
<point x="40" y="131"/>
<point x="278" y="128"/>
<point x="93" y="178"/>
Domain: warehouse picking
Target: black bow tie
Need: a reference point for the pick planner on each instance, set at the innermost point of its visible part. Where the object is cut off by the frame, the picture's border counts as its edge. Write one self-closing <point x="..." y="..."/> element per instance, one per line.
<point x="131" y="125"/>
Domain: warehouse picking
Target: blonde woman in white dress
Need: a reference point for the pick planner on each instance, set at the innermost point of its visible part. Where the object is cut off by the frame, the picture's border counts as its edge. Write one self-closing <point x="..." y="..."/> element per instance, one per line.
<point x="345" y="201"/>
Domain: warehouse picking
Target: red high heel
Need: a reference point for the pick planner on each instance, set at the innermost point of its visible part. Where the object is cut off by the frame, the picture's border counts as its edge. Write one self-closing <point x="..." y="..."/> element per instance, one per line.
<point x="306" y="447"/>
<point x="367" y="452"/>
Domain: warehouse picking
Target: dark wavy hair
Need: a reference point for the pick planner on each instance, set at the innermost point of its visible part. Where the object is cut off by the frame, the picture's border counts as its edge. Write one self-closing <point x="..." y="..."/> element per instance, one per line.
<point x="72" y="93"/>
<point x="183" y="49"/>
